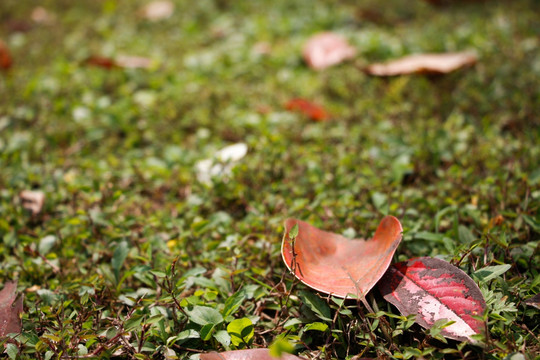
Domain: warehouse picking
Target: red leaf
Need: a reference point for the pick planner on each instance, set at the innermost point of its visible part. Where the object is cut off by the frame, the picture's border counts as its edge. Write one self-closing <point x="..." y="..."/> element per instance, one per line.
<point x="5" y="56"/>
<point x="250" y="354"/>
<point x="10" y="308"/>
<point x="335" y="265"/>
<point x="424" y="64"/>
<point x="311" y="110"/>
<point x="326" y="49"/>
<point x="434" y="289"/>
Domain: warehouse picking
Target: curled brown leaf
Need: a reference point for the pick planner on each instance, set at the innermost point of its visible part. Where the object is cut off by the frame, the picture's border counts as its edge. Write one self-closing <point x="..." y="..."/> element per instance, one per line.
<point x="423" y="63"/>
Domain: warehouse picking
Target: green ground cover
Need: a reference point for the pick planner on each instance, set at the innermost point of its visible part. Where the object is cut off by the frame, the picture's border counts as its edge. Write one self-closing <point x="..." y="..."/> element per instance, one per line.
<point x="130" y="245"/>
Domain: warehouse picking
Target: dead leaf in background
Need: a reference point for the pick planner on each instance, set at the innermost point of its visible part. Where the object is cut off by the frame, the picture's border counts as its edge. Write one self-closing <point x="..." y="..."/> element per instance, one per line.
<point x="122" y="61"/>
<point x="423" y="64"/>
<point x="10" y="308"/>
<point x="32" y="200"/>
<point x="311" y="110"/>
<point x="249" y="354"/>
<point x="157" y="10"/>
<point x="334" y="264"/>
<point x="5" y="56"/>
<point x="40" y="15"/>
<point x="534" y="301"/>
<point x="327" y="49"/>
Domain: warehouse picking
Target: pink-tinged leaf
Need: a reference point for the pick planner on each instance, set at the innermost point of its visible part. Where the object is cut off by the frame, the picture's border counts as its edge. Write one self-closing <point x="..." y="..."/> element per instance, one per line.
<point x="32" y="200"/>
<point x="534" y="301"/>
<point x="250" y="354"/>
<point x="423" y="63"/>
<point x="433" y="289"/>
<point x="10" y="308"/>
<point x="327" y="49"/>
<point x="157" y="10"/>
<point x="122" y="61"/>
<point x="335" y="265"/>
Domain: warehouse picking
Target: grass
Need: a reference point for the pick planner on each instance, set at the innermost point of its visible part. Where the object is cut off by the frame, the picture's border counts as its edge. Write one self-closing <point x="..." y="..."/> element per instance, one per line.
<point x="135" y="245"/>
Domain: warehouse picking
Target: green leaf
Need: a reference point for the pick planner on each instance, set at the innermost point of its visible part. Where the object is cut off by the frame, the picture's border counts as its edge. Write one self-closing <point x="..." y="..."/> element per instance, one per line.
<point x="223" y="338"/>
<point x="491" y="272"/>
<point x="465" y="235"/>
<point x="280" y="347"/>
<point x="12" y="351"/>
<point x="380" y="201"/>
<point x="46" y="244"/>
<point x="119" y="256"/>
<point x="316" y="326"/>
<point x="206" y="331"/>
<point x="293" y="233"/>
<point x="316" y="304"/>
<point x="241" y="331"/>
<point x="204" y="315"/>
<point x="233" y="303"/>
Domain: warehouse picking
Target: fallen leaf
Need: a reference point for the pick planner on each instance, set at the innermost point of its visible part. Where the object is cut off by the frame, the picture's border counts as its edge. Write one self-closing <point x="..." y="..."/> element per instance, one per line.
<point x="423" y="63"/>
<point x="221" y="164"/>
<point x="311" y="110"/>
<point x="122" y="61"/>
<point x="249" y="354"/>
<point x="5" y="56"/>
<point x="10" y="308"/>
<point x="327" y="49"/>
<point x="534" y="301"/>
<point x="32" y="200"/>
<point x="433" y="290"/>
<point x="133" y="62"/>
<point x="40" y="15"/>
<point x="335" y="265"/>
<point x="157" y="10"/>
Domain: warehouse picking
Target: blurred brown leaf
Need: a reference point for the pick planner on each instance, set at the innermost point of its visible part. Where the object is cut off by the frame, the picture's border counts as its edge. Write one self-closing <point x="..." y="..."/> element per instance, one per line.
<point x="32" y="200"/>
<point x="423" y="64"/>
<point x="157" y="10"/>
<point x="122" y="61"/>
<point x="327" y="49"/>
<point x="5" y="56"/>
<point x="534" y="301"/>
<point x="40" y="15"/>
<point x="10" y="308"/>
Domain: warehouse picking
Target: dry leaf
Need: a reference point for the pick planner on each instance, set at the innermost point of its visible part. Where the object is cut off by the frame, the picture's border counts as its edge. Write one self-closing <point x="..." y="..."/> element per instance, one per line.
<point x="423" y="63"/>
<point x="122" y="61"/>
<point x="335" y="265"/>
<point x="249" y="354"/>
<point x="311" y="110"/>
<point x="133" y="62"/>
<point x="157" y="10"/>
<point x="32" y="200"/>
<point x="433" y="290"/>
<point x="221" y="164"/>
<point x="534" y="301"/>
<point x="327" y="49"/>
<point x="40" y="15"/>
<point x="10" y="308"/>
<point x="5" y="56"/>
